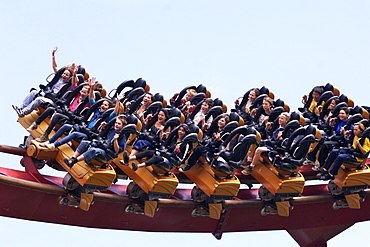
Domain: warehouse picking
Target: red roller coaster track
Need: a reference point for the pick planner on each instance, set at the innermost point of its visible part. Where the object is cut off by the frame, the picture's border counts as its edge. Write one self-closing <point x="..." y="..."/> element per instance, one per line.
<point x="312" y="222"/>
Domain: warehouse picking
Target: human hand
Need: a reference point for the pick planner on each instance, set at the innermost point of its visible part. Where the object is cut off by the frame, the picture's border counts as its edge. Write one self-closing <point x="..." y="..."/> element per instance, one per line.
<point x="280" y="135"/>
<point x="217" y="136"/>
<point x="121" y="96"/>
<point x="253" y="112"/>
<point x="149" y="117"/>
<point x="54" y="50"/>
<point x="332" y="121"/>
<point x="102" y="126"/>
<point x="74" y="68"/>
<point x="304" y="97"/>
<point x="91" y="81"/>
<point x="357" y="143"/>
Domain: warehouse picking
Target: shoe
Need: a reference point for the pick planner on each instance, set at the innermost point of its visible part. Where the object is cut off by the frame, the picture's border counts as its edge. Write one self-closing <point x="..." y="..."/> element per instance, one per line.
<point x="134" y="166"/>
<point x="19" y="111"/>
<point x="308" y="162"/>
<point x="123" y="163"/>
<point x="247" y="171"/>
<point x="126" y="158"/>
<point x="321" y="173"/>
<point x="185" y="168"/>
<point x="327" y="176"/>
<point x="246" y="164"/>
<point x="33" y="126"/>
<point x="50" y="146"/>
<point x="44" y="144"/>
<point x="316" y="167"/>
<point x="42" y="138"/>
<point x="70" y="162"/>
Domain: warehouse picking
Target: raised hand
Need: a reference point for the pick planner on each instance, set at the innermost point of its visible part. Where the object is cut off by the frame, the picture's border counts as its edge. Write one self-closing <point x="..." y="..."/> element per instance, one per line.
<point x="54" y="50"/>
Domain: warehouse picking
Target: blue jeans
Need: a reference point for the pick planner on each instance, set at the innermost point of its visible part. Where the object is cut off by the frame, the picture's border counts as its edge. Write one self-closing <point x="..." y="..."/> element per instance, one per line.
<point x="30" y="103"/>
<point x="91" y="153"/>
<point x="70" y="137"/>
<point x="338" y="160"/>
<point x="331" y="158"/>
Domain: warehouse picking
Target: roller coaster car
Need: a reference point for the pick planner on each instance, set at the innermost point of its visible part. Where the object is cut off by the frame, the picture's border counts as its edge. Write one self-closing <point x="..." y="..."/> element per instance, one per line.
<point x="279" y="175"/>
<point x="352" y="179"/>
<point x="100" y="173"/>
<point x="62" y="107"/>
<point x="214" y="176"/>
<point x="155" y="181"/>
<point x="82" y="178"/>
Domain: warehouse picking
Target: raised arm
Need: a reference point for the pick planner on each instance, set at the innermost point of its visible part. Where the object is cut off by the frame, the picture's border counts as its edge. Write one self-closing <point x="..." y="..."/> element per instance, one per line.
<point x="91" y="83"/>
<point x="54" y="60"/>
<point x="118" y="103"/>
<point x="74" y="75"/>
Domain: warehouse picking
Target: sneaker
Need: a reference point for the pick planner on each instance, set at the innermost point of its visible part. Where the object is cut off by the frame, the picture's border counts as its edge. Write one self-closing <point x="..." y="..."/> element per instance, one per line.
<point x="50" y="146"/>
<point x="70" y="162"/>
<point x="134" y="166"/>
<point x="42" y="138"/>
<point x="247" y="171"/>
<point x="33" y="126"/>
<point x="44" y="144"/>
<point x="123" y="162"/>
<point x="308" y="162"/>
<point x="316" y="167"/>
<point x="18" y="111"/>
<point x="126" y="158"/>
<point x="246" y="164"/>
<point x="327" y="176"/>
<point x="321" y="173"/>
<point x="185" y="168"/>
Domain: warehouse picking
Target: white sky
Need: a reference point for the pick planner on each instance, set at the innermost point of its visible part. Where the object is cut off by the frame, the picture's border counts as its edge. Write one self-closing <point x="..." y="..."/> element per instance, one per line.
<point x="229" y="46"/>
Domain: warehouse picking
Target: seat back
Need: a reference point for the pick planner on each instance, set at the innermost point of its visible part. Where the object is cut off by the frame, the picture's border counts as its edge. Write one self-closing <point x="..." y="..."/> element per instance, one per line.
<point x="181" y="95"/>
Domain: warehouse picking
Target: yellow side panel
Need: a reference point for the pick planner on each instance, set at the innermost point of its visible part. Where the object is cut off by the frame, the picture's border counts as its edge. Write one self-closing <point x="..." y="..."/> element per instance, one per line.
<point x="283" y="208"/>
<point x="27" y="120"/>
<point x="150" y="208"/>
<point x="267" y="177"/>
<point x="86" y="200"/>
<point x="203" y="176"/>
<point x="34" y="150"/>
<point x="148" y="181"/>
<point x="352" y="178"/>
<point x="104" y="178"/>
<point x="215" y="210"/>
<point x="361" y="177"/>
<point x="292" y="185"/>
<point x="353" y="201"/>
<point x="227" y="187"/>
<point x="166" y="185"/>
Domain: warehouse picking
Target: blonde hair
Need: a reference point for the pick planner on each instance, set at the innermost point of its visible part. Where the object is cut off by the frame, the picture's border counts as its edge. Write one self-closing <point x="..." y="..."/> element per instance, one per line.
<point x="192" y="91"/>
<point x="360" y="126"/>
<point x="286" y="115"/>
<point x="269" y="100"/>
